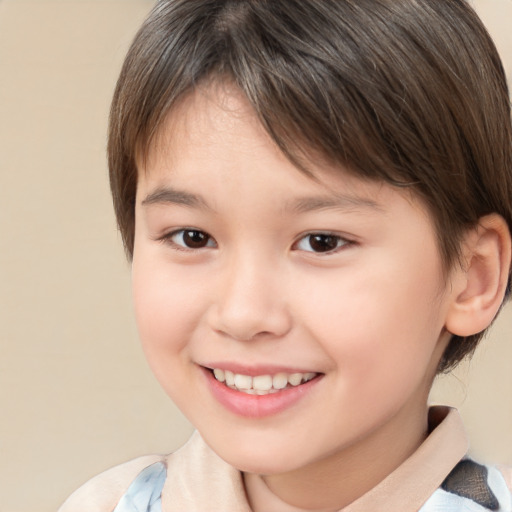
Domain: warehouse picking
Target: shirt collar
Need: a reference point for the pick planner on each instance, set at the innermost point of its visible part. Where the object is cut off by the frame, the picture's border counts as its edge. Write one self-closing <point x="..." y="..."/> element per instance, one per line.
<point x="415" y="480"/>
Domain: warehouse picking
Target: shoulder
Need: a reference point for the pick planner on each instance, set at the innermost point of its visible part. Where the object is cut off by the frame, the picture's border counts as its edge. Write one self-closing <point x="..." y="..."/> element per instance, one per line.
<point x="200" y="480"/>
<point x="102" y="493"/>
<point x="473" y="486"/>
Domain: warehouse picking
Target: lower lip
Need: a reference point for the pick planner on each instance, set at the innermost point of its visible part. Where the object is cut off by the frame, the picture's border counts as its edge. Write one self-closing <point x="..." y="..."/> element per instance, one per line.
<point x="257" y="406"/>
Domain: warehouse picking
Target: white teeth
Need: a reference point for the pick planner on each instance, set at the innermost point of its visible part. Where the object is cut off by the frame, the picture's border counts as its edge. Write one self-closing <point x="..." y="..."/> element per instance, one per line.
<point x="230" y="378"/>
<point x="295" y="379"/>
<point x="280" y="381"/>
<point x="261" y="384"/>
<point x="309" y="376"/>
<point x="219" y="374"/>
<point x="243" y="381"/>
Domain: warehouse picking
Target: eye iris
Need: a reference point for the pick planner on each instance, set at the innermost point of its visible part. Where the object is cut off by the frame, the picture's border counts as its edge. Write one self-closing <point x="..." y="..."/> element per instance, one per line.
<point x="323" y="243"/>
<point x="195" y="239"/>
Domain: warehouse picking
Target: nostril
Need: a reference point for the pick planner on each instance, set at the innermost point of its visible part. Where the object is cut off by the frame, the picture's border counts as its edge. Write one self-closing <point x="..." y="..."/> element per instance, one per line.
<point x="250" y="324"/>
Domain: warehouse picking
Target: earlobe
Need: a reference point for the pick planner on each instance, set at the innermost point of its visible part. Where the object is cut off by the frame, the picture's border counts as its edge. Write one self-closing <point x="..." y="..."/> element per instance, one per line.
<point x="479" y="287"/>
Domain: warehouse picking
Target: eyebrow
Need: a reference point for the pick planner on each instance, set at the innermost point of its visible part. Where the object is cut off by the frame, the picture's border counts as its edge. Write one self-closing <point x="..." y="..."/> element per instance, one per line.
<point x="167" y="195"/>
<point x="335" y="201"/>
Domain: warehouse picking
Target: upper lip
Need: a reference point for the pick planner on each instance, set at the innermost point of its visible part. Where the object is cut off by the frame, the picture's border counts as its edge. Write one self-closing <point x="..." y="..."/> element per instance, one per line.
<point x="255" y="370"/>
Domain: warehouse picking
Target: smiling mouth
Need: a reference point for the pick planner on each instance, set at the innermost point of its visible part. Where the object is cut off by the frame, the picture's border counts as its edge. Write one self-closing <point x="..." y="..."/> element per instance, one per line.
<point x="261" y="384"/>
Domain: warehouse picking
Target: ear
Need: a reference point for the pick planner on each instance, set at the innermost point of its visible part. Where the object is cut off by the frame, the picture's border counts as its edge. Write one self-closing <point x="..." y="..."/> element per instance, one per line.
<point x="479" y="287"/>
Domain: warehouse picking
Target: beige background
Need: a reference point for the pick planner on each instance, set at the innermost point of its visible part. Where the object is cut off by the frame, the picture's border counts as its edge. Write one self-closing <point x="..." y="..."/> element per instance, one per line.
<point x="76" y="395"/>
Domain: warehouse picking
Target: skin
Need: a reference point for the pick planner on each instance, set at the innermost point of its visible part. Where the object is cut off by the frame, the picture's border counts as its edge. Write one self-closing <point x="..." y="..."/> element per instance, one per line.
<point x="369" y="316"/>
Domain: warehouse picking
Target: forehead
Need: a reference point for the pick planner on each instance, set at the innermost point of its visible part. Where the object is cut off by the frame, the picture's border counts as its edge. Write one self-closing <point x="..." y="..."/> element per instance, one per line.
<point x="210" y="113"/>
<point x="217" y="119"/>
<point x="214" y="131"/>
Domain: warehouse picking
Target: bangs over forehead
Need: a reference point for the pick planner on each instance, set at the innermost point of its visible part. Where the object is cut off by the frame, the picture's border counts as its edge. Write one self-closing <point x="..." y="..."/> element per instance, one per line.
<point x="411" y="92"/>
<point x="367" y="84"/>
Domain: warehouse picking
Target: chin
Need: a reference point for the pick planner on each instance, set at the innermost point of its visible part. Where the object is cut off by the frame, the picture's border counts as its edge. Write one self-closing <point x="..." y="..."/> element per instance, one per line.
<point x="259" y="458"/>
<point x="266" y="465"/>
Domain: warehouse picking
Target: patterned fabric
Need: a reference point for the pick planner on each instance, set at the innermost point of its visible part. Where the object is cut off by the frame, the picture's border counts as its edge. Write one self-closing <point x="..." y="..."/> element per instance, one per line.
<point x="471" y="487"/>
<point x="145" y="492"/>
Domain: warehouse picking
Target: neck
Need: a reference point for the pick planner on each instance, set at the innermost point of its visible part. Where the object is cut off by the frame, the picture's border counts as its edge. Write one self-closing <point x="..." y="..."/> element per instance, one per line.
<point x="330" y="484"/>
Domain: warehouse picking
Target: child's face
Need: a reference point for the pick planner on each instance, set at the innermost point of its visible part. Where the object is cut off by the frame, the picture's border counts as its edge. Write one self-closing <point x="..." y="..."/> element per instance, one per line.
<point x="244" y="264"/>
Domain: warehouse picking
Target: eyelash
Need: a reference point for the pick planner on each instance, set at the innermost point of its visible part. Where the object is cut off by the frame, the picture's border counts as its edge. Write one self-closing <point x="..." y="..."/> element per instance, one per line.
<point x="168" y="238"/>
<point x="340" y="242"/>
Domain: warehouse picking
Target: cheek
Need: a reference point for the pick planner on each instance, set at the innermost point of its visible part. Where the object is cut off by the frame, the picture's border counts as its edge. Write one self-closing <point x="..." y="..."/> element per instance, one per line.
<point x="167" y="305"/>
<point x="380" y="326"/>
<point x="168" y="311"/>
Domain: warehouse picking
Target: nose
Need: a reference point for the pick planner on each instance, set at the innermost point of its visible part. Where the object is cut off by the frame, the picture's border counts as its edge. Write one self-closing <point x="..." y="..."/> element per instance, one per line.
<point x="250" y="302"/>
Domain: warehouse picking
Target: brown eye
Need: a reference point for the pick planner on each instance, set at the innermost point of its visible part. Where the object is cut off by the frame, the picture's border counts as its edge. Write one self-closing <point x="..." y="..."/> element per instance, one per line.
<point x="321" y="242"/>
<point x="192" y="239"/>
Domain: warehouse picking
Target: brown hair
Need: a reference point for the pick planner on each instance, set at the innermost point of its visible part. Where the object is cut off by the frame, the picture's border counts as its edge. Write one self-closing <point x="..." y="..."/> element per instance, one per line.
<point x="411" y="92"/>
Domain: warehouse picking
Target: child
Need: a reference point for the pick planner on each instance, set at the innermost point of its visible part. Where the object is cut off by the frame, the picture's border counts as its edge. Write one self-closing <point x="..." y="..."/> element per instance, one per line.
<point x="315" y="195"/>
